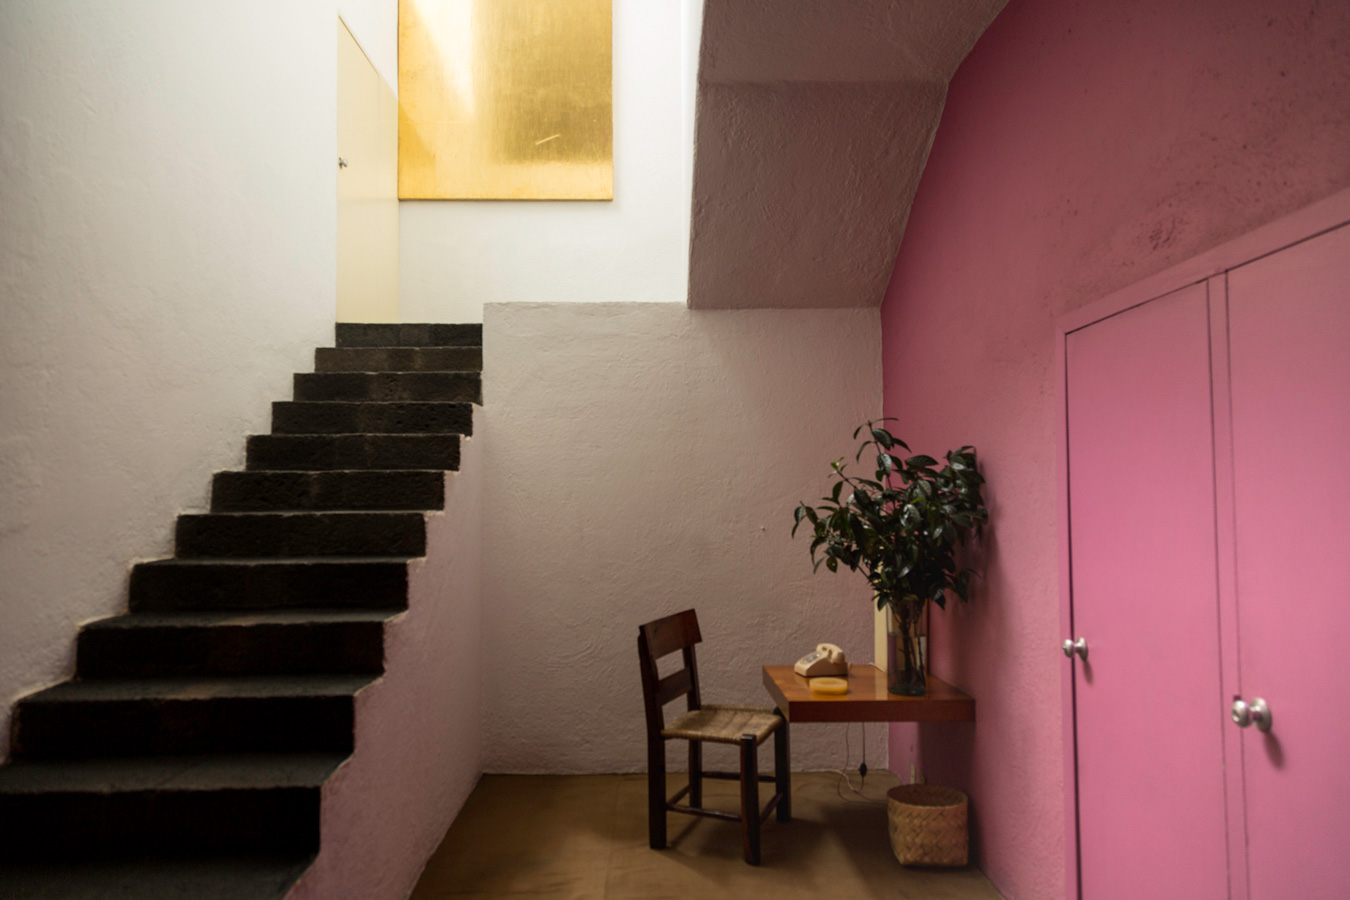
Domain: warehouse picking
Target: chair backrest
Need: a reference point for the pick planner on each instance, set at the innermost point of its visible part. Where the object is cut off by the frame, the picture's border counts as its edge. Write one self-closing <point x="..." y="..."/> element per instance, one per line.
<point x="661" y="638"/>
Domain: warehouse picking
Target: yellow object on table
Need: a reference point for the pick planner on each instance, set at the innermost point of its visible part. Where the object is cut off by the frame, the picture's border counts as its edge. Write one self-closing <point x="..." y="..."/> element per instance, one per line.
<point x="828" y="685"/>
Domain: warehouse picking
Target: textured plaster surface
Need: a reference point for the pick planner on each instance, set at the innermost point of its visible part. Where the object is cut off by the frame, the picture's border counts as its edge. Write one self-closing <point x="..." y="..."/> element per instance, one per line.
<point x="769" y="41"/>
<point x="418" y="729"/>
<point x="457" y="255"/>
<point x="166" y="261"/>
<point x="797" y="190"/>
<point x="1084" y="146"/>
<point x="813" y="124"/>
<point x="643" y="459"/>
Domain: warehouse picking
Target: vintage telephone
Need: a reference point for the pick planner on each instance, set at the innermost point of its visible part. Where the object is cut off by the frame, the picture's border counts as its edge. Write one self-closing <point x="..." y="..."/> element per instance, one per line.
<point x="826" y="659"/>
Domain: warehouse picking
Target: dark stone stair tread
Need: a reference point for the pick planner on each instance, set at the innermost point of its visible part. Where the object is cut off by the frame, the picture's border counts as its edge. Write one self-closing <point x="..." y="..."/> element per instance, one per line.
<point x="215" y="772"/>
<point x="201" y="688"/>
<point x="361" y="417"/>
<point x="389" y="386"/>
<point x="239" y="583"/>
<point x="221" y="878"/>
<point x="216" y="618"/>
<point x="328" y="490"/>
<point x="303" y="514"/>
<point x="290" y="561"/>
<point x="331" y="452"/>
<point x="305" y="533"/>
<point x="408" y="334"/>
<point x="398" y="359"/>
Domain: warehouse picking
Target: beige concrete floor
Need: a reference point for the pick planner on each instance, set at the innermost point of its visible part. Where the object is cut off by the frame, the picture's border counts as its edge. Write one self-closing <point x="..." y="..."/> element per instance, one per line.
<point x="585" y="837"/>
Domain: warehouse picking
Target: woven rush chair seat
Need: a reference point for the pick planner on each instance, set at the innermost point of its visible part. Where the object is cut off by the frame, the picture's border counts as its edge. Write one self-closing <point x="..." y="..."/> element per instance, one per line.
<point x="746" y="727"/>
<point x="724" y="724"/>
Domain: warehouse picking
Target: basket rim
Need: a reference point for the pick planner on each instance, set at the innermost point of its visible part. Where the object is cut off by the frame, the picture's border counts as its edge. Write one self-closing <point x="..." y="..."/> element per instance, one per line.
<point x="927" y="796"/>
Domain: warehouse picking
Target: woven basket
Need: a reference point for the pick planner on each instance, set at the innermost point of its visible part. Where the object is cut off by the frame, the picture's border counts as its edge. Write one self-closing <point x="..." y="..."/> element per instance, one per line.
<point x="928" y="825"/>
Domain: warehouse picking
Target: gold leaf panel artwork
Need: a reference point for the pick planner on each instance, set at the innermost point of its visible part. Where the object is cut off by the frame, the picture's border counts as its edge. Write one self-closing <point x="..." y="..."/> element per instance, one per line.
<point x="505" y="100"/>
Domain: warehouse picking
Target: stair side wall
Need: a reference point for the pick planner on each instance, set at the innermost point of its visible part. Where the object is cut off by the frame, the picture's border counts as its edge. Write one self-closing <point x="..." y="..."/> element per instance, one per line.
<point x="418" y="730"/>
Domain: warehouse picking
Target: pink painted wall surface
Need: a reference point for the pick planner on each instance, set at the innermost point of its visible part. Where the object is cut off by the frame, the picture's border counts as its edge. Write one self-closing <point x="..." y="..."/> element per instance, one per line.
<point x="419" y="728"/>
<point x="1084" y="146"/>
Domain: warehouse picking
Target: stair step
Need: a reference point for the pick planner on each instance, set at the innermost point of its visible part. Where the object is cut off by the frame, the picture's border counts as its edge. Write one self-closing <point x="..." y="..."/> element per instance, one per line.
<point x="278" y="534"/>
<point x="398" y="359"/>
<point x="371" y="417"/>
<point x="353" y="451"/>
<point x="389" y="386"/>
<point x="83" y="809"/>
<point x="408" y="334"/>
<point x="285" y="642"/>
<point x="253" y="584"/>
<point x="338" y="489"/>
<point x="175" y="716"/>
<point x="214" y="877"/>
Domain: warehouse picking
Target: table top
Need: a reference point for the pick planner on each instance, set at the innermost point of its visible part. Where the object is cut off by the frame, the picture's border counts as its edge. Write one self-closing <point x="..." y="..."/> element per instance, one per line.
<point x="867" y="699"/>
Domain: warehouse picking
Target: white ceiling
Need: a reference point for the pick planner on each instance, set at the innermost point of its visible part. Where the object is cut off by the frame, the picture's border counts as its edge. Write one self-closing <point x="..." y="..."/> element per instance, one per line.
<point x="814" y="122"/>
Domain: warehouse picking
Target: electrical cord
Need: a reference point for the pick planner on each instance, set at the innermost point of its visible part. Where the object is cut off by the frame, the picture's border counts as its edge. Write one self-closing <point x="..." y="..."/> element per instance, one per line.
<point x="844" y="778"/>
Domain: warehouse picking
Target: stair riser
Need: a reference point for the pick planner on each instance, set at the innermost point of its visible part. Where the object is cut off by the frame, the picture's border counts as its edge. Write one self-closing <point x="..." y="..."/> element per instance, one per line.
<point x="362" y="334"/>
<point x="249" y="586"/>
<point x="465" y="387"/>
<point x="361" y="490"/>
<point x="316" y="534"/>
<point x="245" y="536"/>
<point x="328" y="648"/>
<point x="347" y="417"/>
<point x="84" y="729"/>
<point x="376" y="451"/>
<point x="92" y="825"/>
<point x="398" y="359"/>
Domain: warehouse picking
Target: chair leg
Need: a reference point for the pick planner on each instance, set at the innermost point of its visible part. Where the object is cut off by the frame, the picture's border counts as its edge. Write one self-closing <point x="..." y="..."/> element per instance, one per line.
<point x="696" y="774"/>
<point x="656" y="794"/>
<point x="750" y="798"/>
<point x="782" y="772"/>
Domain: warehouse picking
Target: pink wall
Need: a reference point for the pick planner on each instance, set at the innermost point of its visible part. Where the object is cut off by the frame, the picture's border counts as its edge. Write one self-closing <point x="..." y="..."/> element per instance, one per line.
<point x="1084" y="146"/>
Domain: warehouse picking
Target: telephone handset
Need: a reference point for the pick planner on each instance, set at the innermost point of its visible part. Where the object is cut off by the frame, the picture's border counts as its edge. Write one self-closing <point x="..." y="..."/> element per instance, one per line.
<point x="826" y="659"/>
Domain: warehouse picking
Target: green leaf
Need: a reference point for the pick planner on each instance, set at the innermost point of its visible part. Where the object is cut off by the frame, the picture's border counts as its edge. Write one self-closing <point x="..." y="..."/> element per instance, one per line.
<point x="832" y="564"/>
<point x="920" y="460"/>
<point x="885" y="463"/>
<point x="882" y="437"/>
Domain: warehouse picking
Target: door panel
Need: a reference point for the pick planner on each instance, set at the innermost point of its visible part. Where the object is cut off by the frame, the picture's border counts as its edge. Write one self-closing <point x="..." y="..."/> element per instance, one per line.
<point x="1289" y="340"/>
<point x="367" y="189"/>
<point x="1148" y="706"/>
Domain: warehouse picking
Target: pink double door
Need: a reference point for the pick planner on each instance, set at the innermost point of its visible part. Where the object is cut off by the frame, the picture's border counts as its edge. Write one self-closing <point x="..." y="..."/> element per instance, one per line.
<point x="1209" y="545"/>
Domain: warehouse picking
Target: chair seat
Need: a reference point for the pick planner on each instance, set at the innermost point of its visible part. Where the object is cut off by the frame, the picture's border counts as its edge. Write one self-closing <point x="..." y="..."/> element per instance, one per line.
<point x="724" y="724"/>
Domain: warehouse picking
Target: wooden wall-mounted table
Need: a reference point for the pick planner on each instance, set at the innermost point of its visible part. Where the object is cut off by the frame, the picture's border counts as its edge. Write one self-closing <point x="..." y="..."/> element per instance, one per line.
<point x="867" y="699"/>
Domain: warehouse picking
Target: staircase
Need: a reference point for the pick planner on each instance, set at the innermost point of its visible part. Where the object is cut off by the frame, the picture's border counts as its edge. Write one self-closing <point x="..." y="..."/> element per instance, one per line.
<point x="186" y="757"/>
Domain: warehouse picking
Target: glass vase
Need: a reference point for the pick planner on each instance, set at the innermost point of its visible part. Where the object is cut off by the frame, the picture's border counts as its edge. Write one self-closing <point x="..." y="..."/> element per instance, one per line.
<point x="906" y="649"/>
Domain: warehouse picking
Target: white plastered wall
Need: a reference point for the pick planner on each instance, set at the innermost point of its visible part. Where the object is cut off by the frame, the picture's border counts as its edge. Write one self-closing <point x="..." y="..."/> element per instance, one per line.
<point x="166" y="262"/>
<point x="418" y="729"/>
<point x="456" y="256"/>
<point x="642" y="459"/>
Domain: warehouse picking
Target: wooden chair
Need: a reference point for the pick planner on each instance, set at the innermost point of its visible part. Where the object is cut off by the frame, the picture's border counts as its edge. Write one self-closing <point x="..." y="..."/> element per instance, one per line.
<point x="744" y="726"/>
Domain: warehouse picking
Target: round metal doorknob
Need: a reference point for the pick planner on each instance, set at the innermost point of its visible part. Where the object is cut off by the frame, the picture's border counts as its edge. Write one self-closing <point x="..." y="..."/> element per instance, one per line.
<point x="1255" y="713"/>
<point x="1079" y="646"/>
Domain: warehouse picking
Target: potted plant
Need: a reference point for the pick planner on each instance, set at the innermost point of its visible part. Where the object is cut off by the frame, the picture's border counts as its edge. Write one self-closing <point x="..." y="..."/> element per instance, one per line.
<point x="902" y="529"/>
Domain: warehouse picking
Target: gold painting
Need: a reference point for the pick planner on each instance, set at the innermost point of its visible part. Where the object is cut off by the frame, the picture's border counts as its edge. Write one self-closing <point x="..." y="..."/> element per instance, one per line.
<point x="505" y="100"/>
